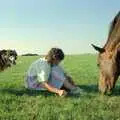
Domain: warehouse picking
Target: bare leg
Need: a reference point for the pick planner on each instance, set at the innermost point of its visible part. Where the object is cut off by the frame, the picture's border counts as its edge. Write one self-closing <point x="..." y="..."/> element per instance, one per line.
<point x="68" y="85"/>
<point x="70" y="80"/>
<point x="72" y="88"/>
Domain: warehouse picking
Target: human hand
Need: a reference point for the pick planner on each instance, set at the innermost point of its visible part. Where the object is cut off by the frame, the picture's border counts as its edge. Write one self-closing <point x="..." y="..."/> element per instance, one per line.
<point x="62" y="93"/>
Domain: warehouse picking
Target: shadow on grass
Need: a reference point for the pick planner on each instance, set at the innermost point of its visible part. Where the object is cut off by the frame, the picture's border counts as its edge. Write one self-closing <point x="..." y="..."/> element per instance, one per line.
<point x="87" y="88"/>
<point x="116" y="91"/>
<point x="23" y="91"/>
<point x="94" y="89"/>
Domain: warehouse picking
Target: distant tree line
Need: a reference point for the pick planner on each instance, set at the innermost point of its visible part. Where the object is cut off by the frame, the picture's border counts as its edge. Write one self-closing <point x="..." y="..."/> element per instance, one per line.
<point x="30" y="54"/>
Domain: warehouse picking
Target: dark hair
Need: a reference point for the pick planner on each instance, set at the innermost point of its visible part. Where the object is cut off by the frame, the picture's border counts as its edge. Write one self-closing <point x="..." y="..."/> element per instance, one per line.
<point x="55" y="53"/>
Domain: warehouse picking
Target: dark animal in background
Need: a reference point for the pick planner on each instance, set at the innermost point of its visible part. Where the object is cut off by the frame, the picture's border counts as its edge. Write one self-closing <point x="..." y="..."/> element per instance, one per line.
<point x="7" y="58"/>
<point x="109" y="57"/>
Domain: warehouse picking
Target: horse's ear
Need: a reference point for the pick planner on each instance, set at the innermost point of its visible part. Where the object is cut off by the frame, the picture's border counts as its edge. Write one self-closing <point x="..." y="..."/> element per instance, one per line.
<point x="101" y="50"/>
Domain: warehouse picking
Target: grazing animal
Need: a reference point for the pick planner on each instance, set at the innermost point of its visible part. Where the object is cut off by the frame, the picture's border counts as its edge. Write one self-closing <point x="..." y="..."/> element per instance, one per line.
<point x="7" y="58"/>
<point x="109" y="57"/>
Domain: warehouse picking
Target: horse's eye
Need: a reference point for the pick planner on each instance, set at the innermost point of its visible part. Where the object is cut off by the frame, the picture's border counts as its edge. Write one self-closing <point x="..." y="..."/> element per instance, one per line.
<point x="98" y="65"/>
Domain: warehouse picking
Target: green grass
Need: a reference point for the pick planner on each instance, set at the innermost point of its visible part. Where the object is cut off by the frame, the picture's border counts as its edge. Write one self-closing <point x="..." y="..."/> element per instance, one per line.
<point x="17" y="103"/>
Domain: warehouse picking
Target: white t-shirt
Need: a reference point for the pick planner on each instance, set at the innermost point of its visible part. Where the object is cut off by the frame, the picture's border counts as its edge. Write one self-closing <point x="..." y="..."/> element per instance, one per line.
<point x="40" y="69"/>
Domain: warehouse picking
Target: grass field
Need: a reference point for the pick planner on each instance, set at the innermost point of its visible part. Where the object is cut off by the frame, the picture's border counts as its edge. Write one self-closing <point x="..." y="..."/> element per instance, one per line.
<point x="17" y="103"/>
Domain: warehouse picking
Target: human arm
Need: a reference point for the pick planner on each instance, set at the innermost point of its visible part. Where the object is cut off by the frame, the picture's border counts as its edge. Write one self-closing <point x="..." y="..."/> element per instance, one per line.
<point x="43" y="77"/>
<point x="54" y="90"/>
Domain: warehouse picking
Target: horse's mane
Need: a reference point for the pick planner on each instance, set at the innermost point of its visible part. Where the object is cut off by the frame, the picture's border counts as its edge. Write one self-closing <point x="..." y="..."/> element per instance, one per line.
<point x="114" y="33"/>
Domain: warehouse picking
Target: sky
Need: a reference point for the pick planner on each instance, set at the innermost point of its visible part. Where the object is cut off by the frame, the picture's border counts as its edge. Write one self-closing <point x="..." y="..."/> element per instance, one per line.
<point x="35" y="26"/>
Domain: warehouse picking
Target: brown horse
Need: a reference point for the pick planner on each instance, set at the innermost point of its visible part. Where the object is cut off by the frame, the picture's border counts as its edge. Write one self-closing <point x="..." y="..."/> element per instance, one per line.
<point x="109" y="57"/>
<point x="7" y="58"/>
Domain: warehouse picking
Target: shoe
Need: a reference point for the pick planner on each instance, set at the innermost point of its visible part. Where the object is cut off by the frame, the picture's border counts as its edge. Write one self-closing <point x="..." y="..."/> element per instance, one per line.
<point x="76" y="91"/>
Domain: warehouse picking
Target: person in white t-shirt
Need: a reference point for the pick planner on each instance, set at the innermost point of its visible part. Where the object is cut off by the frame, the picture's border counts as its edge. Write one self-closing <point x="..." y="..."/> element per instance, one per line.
<point x="46" y="74"/>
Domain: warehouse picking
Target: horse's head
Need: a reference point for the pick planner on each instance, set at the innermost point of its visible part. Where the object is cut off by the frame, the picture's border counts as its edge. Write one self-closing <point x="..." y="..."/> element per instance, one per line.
<point x="109" y="57"/>
<point x="7" y="58"/>
<point x="108" y="65"/>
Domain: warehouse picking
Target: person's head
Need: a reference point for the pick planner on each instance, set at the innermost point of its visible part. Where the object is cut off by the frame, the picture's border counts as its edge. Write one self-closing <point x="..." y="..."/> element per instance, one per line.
<point x="55" y="55"/>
